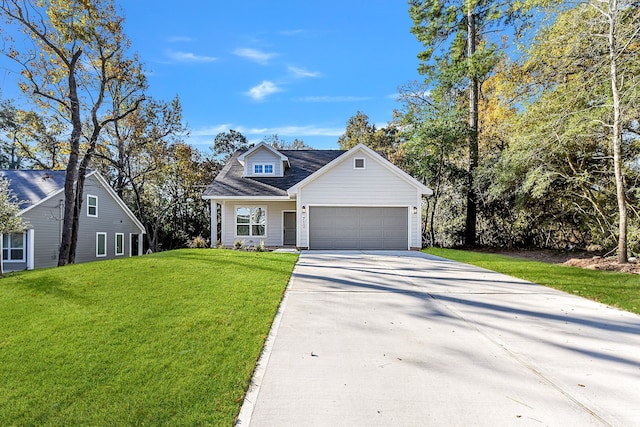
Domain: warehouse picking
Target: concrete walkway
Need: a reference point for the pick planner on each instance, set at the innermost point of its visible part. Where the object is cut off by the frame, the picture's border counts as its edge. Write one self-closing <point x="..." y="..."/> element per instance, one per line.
<point x="407" y="339"/>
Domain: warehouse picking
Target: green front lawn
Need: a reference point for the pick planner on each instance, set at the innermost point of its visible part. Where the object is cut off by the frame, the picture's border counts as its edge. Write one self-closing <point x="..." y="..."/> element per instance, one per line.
<point x="170" y="338"/>
<point x="620" y="290"/>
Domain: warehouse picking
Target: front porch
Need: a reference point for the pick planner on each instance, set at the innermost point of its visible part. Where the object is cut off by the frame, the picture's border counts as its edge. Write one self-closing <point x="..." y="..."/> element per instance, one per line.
<point x="253" y="222"/>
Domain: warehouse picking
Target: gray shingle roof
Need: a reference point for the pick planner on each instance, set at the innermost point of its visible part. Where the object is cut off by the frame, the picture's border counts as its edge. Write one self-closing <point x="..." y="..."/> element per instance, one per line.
<point x="32" y="186"/>
<point x="231" y="183"/>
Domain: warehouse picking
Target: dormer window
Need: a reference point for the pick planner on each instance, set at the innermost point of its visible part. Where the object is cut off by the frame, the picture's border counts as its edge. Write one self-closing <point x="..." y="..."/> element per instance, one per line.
<point x="263" y="169"/>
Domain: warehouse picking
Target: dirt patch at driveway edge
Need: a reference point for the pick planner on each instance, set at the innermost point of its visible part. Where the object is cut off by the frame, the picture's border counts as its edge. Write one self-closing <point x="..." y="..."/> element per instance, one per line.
<point x="572" y="258"/>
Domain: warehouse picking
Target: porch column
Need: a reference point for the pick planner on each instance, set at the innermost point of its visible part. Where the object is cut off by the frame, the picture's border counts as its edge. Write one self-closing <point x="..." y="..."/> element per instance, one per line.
<point x="214" y="223"/>
<point x="31" y="249"/>
<point x="140" y="244"/>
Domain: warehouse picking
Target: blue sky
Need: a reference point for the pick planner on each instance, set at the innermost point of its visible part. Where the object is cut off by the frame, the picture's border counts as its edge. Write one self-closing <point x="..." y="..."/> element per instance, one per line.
<point x="297" y="69"/>
<point x="293" y="68"/>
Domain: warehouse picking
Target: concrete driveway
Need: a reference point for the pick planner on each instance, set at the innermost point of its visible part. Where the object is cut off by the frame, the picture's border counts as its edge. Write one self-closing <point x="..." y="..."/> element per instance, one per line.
<point x="407" y="339"/>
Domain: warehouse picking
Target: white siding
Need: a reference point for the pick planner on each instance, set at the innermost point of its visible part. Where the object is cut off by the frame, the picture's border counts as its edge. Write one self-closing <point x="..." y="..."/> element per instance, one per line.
<point x="262" y="155"/>
<point x="375" y="185"/>
<point x="274" y="229"/>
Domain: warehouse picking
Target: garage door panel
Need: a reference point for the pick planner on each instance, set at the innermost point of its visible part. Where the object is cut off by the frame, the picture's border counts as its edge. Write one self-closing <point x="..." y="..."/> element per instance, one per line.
<point x="371" y="233"/>
<point x="343" y="244"/>
<point x="367" y="243"/>
<point x="399" y="222"/>
<point x="348" y="233"/>
<point x="394" y="244"/>
<point x="324" y="222"/>
<point x="344" y="222"/>
<point x="358" y="228"/>
<point x="371" y="212"/>
<point x="371" y="222"/>
<point x="326" y="243"/>
<point x="340" y="211"/>
<point x="391" y="234"/>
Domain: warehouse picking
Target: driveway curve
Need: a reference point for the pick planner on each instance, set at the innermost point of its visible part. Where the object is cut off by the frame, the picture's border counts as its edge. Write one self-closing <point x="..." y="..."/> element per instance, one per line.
<point x="409" y="339"/>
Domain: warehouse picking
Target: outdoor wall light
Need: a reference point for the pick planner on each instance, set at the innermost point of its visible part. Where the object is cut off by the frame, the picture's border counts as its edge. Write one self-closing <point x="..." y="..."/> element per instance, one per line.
<point x="415" y="210"/>
<point x="304" y="209"/>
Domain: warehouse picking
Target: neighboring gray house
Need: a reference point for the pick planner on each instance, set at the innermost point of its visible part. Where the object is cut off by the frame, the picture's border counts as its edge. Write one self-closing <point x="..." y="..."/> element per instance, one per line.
<point x="107" y="228"/>
<point x="316" y="199"/>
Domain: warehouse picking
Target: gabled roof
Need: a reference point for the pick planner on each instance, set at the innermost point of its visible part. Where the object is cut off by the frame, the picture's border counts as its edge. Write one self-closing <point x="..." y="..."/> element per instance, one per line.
<point x="231" y="183"/>
<point x="266" y="146"/>
<point x="33" y="187"/>
<point x="375" y="156"/>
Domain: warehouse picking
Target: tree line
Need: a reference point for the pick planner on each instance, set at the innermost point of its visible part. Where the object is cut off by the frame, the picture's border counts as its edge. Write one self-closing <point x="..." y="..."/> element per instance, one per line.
<point x="526" y="124"/>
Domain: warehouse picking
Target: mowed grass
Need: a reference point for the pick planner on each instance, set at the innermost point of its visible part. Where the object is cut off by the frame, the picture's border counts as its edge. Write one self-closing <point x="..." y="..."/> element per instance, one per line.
<point x="621" y="290"/>
<point x="164" y="339"/>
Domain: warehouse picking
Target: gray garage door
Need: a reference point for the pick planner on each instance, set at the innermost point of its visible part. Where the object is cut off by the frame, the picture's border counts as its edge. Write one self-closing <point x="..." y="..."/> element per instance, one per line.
<point x="358" y="228"/>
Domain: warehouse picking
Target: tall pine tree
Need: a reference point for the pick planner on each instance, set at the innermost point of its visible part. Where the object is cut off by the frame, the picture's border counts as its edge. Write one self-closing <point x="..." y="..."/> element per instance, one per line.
<point x="458" y="56"/>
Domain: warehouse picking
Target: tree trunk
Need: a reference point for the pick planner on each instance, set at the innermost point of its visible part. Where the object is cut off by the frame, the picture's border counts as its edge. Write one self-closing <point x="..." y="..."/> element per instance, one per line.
<point x="76" y="214"/>
<point x="617" y="134"/>
<point x="71" y="173"/>
<point x="470" y="222"/>
<point x="432" y="219"/>
<point x="82" y="175"/>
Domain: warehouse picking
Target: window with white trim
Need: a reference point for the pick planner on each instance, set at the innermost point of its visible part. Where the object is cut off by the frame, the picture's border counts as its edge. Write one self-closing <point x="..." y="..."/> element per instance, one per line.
<point x="101" y="244"/>
<point x="92" y="205"/>
<point x="263" y="168"/>
<point x="358" y="163"/>
<point x="13" y="245"/>
<point x="119" y="244"/>
<point x="251" y="221"/>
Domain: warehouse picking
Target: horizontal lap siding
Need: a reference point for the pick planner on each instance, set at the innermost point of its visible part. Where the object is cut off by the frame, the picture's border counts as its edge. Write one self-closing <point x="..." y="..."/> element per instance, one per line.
<point x="370" y="187"/>
<point x="46" y="220"/>
<point x="111" y="219"/>
<point x="274" y="222"/>
<point x="263" y="156"/>
<point x="373" y="185"/>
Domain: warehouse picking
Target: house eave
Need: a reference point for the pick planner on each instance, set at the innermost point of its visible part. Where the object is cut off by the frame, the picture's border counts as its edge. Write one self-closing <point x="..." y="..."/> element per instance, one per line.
<point x="261" y="198"/>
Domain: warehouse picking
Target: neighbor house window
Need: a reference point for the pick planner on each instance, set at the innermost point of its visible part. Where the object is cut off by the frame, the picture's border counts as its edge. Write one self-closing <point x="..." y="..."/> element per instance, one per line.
<point x="92" y="206"/>
<point x="263" y="169"/>
<point x="13" y="247"/>
<point x="101" y="244"/>
<point x="358" y="163"/>
<point x="251" y="221"/>
<point x="119" y="244"/>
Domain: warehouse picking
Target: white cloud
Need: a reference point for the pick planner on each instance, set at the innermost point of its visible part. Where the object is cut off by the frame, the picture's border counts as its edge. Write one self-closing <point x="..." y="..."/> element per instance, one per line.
<point x="301" y="72"/>
<point x="255" y="55"/>
<point x="291" y="32"/>
<point x="333" y="99"/>
<point x="190" y="57"/>
<point x="263" y="90"/>
<point x="211" y="130"/>
<point x="297" y="131"/>
<point x="293" y="131"/>
<point x="179" y="39"/>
